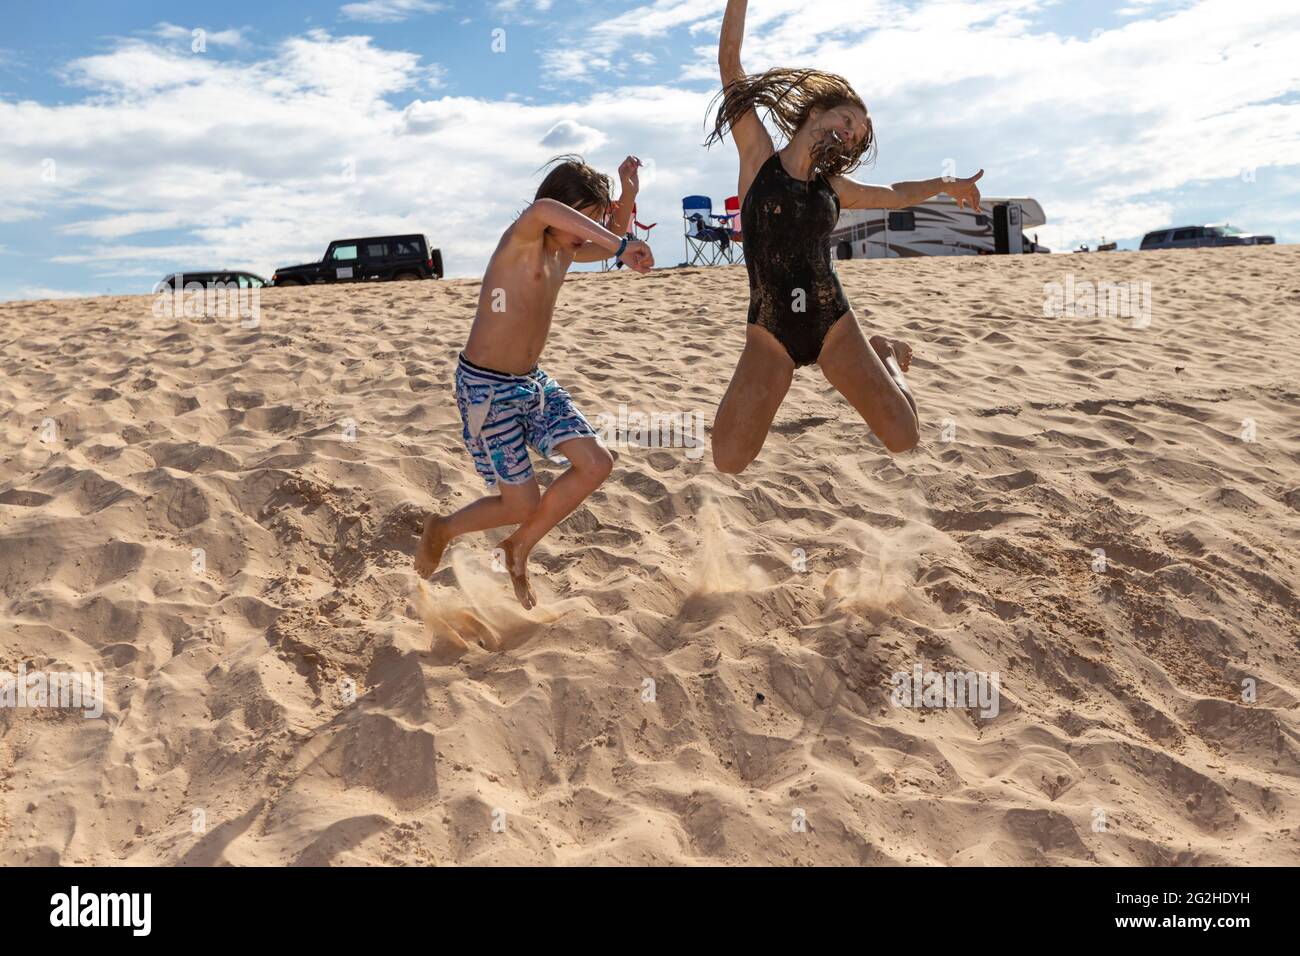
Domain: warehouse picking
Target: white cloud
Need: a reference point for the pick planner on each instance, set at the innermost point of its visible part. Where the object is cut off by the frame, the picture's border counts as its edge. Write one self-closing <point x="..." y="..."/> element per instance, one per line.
<point x="170" y="31"/>
<point x="40" y="292"/>
<point x="245" y="161"/>
<point x="1184" y="91"/>
<point x="566" y="134"/>
<point x="388" y="11"/>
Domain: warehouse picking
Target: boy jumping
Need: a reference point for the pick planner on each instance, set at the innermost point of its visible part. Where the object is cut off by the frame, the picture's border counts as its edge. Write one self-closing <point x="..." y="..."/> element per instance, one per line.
<point x="506" y="402"/>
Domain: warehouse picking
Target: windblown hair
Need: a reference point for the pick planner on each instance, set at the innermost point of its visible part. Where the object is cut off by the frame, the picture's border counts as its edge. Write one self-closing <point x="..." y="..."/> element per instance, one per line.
<point x="789" y="97"/>
<point x="574" y="183"/>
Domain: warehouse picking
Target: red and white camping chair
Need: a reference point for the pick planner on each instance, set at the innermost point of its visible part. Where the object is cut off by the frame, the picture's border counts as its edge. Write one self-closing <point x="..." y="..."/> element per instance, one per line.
<point x="731" y="221"/>
<point x="638" y="230"/>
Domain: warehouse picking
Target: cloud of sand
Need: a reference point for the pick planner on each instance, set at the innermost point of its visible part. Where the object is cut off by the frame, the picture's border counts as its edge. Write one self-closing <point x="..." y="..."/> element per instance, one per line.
<point x="883" y="585"/>
<point x="480" y="609"/>
<point x="721" y="565"/>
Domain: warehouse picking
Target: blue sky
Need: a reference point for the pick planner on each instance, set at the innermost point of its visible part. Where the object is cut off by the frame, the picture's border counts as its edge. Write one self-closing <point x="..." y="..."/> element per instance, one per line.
<point x="130" y="150"/>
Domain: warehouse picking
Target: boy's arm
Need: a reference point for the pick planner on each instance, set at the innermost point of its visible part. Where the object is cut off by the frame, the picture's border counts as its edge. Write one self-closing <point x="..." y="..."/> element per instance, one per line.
<point x="545" y="213"/>
<point x="548" y="213"/>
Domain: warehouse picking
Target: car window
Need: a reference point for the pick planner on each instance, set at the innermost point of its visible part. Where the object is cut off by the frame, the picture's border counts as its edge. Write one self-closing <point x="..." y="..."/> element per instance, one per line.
<point x="376" y="250"/>
<point x="1181" y="235"/>
<point x="902" y="221"/>
<point x="408" y="247"/>
<point x="345" y="252"/>
<point x="1155" y="238"/>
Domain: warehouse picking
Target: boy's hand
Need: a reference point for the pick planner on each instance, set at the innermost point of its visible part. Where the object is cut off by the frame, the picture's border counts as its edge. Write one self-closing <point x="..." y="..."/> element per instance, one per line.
<point x="637" y="257"/>
<point x="628" y="176"/>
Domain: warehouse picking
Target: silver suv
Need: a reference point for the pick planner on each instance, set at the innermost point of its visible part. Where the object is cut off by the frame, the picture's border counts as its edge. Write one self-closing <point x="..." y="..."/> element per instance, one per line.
<point x="1191" y="237"/>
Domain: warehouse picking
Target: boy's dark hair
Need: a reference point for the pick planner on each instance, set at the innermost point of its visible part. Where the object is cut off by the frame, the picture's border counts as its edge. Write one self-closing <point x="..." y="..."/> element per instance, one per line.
<point x="575" y="184"/>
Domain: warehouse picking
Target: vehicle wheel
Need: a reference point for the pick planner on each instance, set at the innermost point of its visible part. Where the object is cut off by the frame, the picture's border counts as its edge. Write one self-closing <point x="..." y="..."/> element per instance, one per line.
<point x="289" y="282"/>
<point x="406" y="277"/>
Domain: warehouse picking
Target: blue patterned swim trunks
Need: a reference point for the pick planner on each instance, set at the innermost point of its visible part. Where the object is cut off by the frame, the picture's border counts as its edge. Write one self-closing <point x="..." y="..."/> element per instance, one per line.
<point x="504" y="413"/>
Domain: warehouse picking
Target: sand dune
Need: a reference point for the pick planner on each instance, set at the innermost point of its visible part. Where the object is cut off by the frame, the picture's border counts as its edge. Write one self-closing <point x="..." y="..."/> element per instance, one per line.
<point x="708" y="677"/>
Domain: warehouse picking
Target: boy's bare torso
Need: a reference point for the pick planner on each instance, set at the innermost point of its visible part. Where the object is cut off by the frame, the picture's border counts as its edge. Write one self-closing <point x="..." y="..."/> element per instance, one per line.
<point x="516" y="303"/>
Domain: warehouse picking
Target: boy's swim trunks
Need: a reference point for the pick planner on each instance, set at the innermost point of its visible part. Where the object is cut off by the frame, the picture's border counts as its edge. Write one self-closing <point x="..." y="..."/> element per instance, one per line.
<point x="502" y="413"/>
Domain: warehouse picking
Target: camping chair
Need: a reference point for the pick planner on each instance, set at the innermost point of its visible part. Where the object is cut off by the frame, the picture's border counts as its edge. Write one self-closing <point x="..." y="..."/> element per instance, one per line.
<point x="637" y="230"/>
<point x="706" y="245"/>
<point x="735" y="251"/>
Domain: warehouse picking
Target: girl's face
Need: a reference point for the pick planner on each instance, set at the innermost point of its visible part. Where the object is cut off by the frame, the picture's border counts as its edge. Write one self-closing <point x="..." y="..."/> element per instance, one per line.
<point x="845" y="125"/>
<point x="839" y="136"/>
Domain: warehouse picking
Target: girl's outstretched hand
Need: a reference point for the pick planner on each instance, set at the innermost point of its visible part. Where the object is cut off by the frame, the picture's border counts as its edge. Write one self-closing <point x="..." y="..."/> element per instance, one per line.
<point x="965" y="191"/>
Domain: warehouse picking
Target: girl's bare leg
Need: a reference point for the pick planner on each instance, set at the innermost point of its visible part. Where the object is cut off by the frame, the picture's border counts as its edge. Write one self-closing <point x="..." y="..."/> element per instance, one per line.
<point x="758" y="386"/>
<point x="870" y="377"/>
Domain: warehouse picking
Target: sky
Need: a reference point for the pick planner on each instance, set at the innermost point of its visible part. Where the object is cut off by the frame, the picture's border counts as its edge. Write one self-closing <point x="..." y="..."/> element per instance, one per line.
<point x="142" y="138"/>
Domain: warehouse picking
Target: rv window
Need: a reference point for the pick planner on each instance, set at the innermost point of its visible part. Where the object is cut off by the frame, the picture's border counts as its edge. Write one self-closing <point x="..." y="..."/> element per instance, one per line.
<point x="902" y="221"/>
<point x="981" y="220"/>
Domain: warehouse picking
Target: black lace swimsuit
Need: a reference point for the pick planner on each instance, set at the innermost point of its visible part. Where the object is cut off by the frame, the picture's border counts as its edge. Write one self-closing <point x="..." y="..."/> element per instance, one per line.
<point x="794" y="292"/>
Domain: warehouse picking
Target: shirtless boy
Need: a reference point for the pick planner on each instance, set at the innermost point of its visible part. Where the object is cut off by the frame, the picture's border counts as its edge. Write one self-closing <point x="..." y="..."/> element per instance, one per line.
<point x="506" y="402"/>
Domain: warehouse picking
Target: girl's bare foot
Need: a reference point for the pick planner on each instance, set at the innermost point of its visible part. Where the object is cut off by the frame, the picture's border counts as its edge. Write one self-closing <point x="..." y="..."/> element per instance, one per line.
<point x="893" y="348"/>
<point x="517" y="565"/>
<point x="433" y="542"/>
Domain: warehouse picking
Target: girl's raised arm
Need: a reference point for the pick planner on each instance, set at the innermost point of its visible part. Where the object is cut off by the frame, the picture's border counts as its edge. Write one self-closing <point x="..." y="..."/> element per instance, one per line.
<point x="747" y="130"/>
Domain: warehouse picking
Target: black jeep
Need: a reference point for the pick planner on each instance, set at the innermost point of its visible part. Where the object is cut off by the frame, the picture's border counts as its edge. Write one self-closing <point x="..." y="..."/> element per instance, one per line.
<point x="360" y="260"/>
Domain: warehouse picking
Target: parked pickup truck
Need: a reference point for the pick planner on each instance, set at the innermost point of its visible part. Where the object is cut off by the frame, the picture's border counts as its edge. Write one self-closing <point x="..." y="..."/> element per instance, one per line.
<point x="362" y="260"/>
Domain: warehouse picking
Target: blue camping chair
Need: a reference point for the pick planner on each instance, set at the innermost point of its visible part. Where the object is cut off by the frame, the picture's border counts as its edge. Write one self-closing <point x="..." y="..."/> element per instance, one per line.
<point x="706" y="243"/>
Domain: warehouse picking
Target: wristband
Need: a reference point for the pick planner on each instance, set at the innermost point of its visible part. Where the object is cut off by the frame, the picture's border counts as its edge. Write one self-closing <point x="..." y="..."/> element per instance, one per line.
<point x="622" y="247"/>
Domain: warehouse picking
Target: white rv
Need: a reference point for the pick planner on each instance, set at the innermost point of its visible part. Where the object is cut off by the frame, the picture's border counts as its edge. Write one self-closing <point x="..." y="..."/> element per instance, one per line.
<point x="938" y="228"/>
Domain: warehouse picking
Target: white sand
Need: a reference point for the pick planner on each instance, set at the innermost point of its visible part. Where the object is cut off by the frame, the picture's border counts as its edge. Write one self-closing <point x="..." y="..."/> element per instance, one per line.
<point x="1121" y="691"/>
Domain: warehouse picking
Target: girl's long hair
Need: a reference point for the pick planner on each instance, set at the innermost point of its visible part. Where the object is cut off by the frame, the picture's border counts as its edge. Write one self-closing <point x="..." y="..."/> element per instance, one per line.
<point x="789" y="96"/>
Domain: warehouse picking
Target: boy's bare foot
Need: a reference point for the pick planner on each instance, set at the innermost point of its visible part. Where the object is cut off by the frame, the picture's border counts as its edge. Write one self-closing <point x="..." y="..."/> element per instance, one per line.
<point x="433" y="542"/>
<point x="893" y="348"/>
<point x="517" y="565"/>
